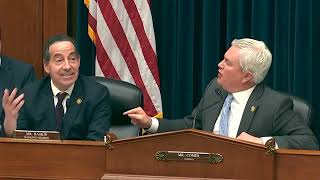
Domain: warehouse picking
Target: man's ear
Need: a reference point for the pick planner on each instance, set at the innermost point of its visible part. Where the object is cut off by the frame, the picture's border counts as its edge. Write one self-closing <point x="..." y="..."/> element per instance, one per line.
<point x="46" y="67"/>
<point x="248" y="77"/>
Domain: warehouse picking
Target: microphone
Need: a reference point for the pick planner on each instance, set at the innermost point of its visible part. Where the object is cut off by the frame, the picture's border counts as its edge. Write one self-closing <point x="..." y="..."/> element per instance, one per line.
<point x="217" y="91"/>
<point x="194" y="119"/>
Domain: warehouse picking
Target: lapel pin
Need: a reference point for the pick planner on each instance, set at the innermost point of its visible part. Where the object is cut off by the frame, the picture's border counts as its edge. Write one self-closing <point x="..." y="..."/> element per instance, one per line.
<point x="253" y="109"/>
<point x="79" y="101"/>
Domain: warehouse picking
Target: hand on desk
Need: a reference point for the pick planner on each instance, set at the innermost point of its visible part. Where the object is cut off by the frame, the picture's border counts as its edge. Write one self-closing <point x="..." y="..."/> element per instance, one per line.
<point x="139" y="117"/>
<point x="247" y="137"/>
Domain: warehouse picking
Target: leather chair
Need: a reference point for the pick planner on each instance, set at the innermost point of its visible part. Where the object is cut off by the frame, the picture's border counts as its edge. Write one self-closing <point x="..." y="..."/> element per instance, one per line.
<point x="302" y="108"/>
<point x="124" y="96"/>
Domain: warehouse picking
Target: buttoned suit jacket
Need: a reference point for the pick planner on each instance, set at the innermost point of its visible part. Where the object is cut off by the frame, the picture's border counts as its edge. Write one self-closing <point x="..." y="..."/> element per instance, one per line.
<point x="87" y="116"/>
<point x="13" y="74"/>
<point x="267" y="113"/>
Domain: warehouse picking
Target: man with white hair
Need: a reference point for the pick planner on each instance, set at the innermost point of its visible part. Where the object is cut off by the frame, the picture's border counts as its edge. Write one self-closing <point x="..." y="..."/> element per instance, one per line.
<point x="238" y="104"/>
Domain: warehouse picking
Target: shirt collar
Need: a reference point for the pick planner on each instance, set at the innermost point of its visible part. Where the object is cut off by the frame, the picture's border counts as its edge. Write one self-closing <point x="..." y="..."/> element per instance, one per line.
<point x="55" y="90"/>
<point x="242" y="96"/>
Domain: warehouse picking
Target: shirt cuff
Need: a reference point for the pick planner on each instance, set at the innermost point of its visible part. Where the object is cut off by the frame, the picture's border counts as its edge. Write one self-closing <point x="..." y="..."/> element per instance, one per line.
<point x="265" y="139"/>
<point x="154" y="125"/>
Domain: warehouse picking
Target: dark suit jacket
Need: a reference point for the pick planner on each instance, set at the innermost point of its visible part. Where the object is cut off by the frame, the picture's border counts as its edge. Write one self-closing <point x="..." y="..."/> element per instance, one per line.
<point x="13" y="73"/>
<point x="88" y="110"/>
<point x="273" y="116"/>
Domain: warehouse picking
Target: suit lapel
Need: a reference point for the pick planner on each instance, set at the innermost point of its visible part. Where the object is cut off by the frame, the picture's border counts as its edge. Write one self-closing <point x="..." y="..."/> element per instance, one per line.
<point x="46" y="96"/>
<point x="250" y="109"/>
<point x="74" y="104"/>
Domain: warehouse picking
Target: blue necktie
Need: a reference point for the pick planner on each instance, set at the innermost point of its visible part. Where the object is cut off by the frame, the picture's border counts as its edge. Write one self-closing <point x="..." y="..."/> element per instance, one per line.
<point x="225" y="114"/>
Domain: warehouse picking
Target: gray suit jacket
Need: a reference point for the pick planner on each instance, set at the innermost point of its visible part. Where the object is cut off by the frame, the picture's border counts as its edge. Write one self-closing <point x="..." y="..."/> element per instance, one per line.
<point x="273" y="116"/>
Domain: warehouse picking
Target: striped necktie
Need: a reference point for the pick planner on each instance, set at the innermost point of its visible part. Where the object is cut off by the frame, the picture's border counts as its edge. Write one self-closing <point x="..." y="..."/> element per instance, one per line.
<point x="59" y="109"/>
<point x="225" y="114"/>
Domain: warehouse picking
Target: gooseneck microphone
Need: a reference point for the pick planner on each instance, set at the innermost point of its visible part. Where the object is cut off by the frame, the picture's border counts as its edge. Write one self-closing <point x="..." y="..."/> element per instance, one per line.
<point x="217" y="91"/>
<point x="195" y="118"/>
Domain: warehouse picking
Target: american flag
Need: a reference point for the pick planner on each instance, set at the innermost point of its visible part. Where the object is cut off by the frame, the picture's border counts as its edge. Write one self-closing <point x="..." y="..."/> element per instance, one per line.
<point x="122" y="31"/>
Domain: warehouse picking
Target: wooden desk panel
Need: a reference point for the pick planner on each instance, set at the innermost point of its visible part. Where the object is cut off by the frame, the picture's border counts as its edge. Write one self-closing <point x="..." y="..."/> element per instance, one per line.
<point x="242" y="160"/>
<point x="297" y="164"/>
<point x="134" y="158"/>
<point x="51" y="159"/>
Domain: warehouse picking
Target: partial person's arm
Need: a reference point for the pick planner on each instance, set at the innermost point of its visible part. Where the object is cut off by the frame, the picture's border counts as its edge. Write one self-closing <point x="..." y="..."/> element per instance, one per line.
<point x="29" y="77"/>
<point x="11" y="106"/>
<point x="262" y="140"/>
<point x="292" y="132"/>
<point x="289" y="130"/>
<point x="139" y="117"/>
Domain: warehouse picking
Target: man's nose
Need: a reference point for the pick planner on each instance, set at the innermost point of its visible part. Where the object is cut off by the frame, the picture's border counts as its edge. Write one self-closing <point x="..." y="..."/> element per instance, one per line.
<point x="66" y="65"/>
<point x="220" y="65"/>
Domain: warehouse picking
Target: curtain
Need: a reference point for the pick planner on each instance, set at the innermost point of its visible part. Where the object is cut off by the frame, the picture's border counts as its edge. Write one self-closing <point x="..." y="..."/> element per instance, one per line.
<point x="193" y="35"/>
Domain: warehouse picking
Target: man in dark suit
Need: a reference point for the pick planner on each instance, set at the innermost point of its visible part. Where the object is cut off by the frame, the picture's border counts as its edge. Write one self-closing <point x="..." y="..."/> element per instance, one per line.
<point x="82" y="113"/>
<point x="238" y="104"/>
<point x="14" y="75"/>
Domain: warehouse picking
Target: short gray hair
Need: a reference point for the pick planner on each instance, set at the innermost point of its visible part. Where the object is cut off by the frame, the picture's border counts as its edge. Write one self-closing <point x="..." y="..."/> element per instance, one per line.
<point x="255" y="57"/>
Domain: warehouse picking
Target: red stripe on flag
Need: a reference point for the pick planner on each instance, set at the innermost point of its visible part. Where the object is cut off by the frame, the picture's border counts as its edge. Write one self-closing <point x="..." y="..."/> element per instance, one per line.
<point x="120" y="38"/>
<point x="149" y="3"/>
<point x="104" y="61"/>
<point x="146" y="47"/>
<point x="92" y="22"/>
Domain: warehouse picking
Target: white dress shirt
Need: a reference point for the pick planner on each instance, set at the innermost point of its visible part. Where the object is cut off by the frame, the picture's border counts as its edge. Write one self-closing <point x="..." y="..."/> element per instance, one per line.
<point x="238" y="104"/>
<point x="56" y="91"/>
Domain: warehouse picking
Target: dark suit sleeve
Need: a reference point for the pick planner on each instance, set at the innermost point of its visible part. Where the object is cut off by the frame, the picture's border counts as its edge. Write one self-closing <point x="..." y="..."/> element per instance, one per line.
<point x="100" y="121"/>
<point x="290" y="130"/>
<point x="194" y="119"/>
<point x="178" y="124"/>
<point x="29" y="77"/>
<point x="22" y="120"/>
<point x="23" y="74"/>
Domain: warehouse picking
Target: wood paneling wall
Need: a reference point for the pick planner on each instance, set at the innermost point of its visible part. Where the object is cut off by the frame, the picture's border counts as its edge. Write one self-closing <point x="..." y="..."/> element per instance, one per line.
<point x="27" y="24"/>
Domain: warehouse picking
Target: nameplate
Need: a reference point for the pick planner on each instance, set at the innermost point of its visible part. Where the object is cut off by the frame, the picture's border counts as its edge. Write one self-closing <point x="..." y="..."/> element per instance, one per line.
<point x="189" y="156"/>
<point x="40" y="135"/>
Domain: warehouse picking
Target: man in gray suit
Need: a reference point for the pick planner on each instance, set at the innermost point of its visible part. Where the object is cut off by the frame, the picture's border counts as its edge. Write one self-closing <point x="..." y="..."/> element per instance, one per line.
<point x="238" y="104"/>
